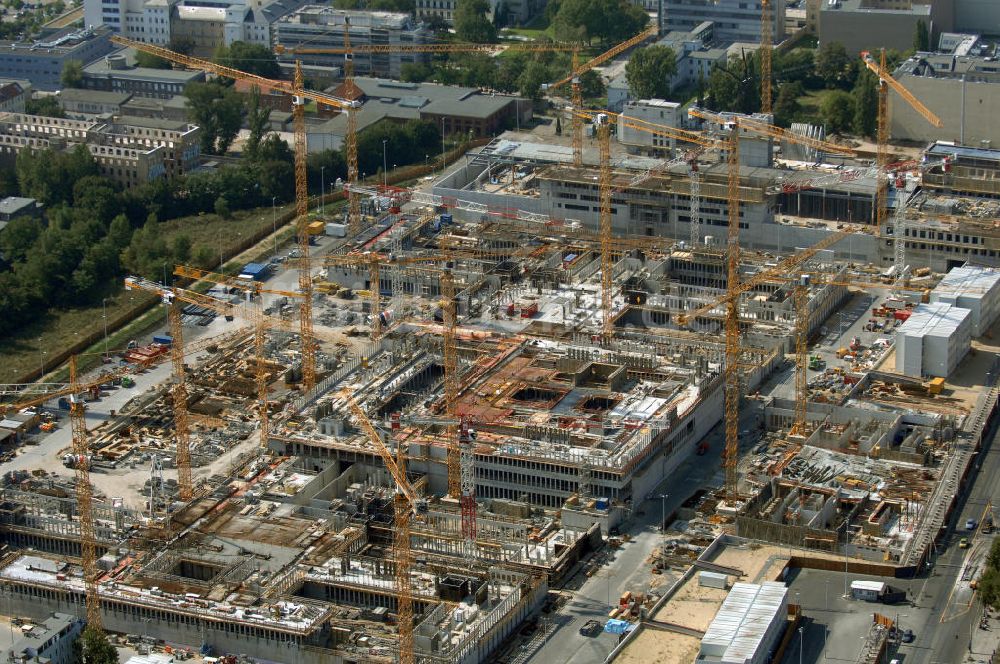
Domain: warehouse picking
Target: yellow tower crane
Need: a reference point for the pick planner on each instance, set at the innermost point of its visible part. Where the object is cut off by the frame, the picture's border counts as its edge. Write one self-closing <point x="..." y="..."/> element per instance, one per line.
<point x="574" y="80"/>
<point x="182" y="433"/>
<point x="405" y="505"/>
<point x="299" y="95"/>
<point x="84" y="500"/>
<point x="886" y="81"/>
<point x="766" y="51"/>
<point x="802" y="319"/>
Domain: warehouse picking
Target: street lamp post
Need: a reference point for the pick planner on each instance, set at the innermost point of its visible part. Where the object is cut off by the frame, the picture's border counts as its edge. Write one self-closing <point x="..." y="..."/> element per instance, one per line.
<point x="385" y="174"/>
<point x="800" y="644"/>
<point x="41" y="359"/>
<point x="663" y="512"/>
<point x="274" y="224"/>
<point x="104" y="314"/>
<point x="322" y="188"/>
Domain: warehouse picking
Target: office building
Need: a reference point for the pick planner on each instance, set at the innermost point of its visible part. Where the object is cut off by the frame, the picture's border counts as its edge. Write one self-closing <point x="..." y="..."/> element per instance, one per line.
<point x="117" y="73"/>
<point x="319" y="26"/>
<point x="734" y="20"/>
<point x="42" y="62"/>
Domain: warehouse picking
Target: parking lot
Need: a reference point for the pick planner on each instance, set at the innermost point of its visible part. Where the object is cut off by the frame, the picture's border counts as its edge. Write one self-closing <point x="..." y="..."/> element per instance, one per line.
<point x="834" y="627"/>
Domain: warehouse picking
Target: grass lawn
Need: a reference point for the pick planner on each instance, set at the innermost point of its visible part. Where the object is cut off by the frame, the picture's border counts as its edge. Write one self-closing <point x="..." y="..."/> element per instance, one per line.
<point x="810" y="103"/>
<point x="56" y="330"/>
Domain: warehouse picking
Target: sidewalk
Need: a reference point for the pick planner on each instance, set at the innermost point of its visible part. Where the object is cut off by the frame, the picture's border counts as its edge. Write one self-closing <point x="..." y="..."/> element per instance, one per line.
<point x="985" y="642"/>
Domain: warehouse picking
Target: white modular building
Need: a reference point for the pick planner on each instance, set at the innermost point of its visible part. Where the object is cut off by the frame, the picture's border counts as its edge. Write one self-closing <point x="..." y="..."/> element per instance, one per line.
<point x="748" y="626"/>
<point x="933" y="340"/>
<point x="975" y="288"/>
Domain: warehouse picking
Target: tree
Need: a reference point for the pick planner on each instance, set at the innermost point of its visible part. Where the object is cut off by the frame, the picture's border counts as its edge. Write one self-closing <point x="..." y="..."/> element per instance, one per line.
<point x="865" y="95"/>
<point x="18" y="237"/>
<point x="218" y="110"/>
<point x="591" y="85"/>
<point x="252" y="58"/>
<point x="531" y="80"/>
<point x="415" y="72"/>
<point x="72" y="74"/>
<point x="501" y="15"/>
<point x="44" y="174"/>
<point x="471" y="23"/>
<point x="649" y="71"/>
<point x="834" y="66"/>
<point x="95" y="648"/>
<point x="921" y="37"/>
<point x="607" y="20"/>
<point x="204" y="257"/>
<point x="182" y="45"/>
<point x="837" y="111"/>
<point x="436" y="24"/>
<point x="558" y="126"/>
<point x="222" y="207"/>
<point x="796" y="65"/>
<point x="274" y="148"/>
<point x="787" y="107"/>
<point x="47" y="106"/>
<point x="98" y="196"/>
<point x="735" y="87"/>
<point x="181" y="249"/>
<point x="257" y="121"/>
<point x="150" y="61"/>
<point x="120" y="231"/>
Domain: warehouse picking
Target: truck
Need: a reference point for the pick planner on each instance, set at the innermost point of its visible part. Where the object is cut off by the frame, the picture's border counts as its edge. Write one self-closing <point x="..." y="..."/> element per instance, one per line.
<point x="816" y="362"/>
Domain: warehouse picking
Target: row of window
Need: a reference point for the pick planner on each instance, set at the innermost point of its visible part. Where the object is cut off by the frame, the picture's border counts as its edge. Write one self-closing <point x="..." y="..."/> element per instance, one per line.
<point x="948" y="237"/>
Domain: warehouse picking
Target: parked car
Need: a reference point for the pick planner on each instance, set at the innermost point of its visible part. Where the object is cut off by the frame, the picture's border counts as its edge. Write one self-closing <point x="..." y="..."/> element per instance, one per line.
<point x="963" y="543"/>
<point x="970" y="524"/>
<point x="591" y="628"/>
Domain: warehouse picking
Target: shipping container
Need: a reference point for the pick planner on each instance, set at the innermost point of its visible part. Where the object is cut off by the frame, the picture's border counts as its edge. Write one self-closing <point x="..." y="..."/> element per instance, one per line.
<point x="163" y="339"/>
<point x="255" y="271"/>
<point x="336" y="230"/>
<point x="316" y="228"/>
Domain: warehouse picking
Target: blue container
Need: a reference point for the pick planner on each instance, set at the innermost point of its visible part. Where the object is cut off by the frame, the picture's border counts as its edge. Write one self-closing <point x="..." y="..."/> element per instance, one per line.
<point x="446" y="219"/>
<point x="603" y="503"/>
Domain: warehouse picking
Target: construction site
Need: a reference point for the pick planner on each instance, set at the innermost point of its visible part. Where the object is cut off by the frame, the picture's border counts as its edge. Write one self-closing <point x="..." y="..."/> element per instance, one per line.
<point x="403" y="447"/>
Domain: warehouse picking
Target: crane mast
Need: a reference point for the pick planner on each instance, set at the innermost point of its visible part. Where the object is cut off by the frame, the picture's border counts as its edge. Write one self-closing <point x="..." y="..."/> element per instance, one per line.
<point x="351" y="137"/>
<point x="84" y="500"/>
<point x="607" y="261"/>
<point x="766" y="52"/>
<point x="801" y="301"/>
<point x="302" y="222"/>
<point x="179" y="395"/>
<point x="732" y="321"/>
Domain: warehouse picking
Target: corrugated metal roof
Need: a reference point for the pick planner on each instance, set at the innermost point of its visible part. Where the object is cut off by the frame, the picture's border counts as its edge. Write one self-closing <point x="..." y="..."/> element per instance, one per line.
<point x="750" y="614"/>
<point x="968" y="281"/>
<point x="936" y="319"/>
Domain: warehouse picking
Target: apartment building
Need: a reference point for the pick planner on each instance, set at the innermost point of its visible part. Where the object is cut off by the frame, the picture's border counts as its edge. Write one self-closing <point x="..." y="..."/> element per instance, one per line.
<point x="131" y="151"/>
<point x="13" y="96"/>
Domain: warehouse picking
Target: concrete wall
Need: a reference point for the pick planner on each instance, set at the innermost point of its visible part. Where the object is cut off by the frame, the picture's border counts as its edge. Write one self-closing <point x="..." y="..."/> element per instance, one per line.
<point x="868" y="30"/>
<point x="977" y="16"/>
<point x="966" y="108"/>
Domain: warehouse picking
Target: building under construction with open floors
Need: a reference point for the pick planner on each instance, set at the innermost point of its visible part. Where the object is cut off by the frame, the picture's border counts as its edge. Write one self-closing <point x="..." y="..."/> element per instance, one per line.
<point x="652" y="197"/>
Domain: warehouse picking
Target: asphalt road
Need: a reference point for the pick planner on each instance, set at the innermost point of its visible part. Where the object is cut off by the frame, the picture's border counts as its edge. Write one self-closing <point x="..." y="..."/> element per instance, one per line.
<point x="954" y="611"/>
